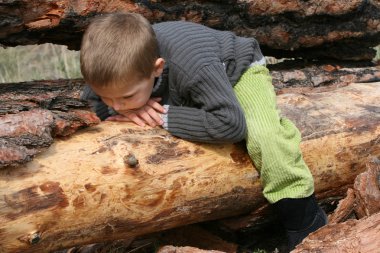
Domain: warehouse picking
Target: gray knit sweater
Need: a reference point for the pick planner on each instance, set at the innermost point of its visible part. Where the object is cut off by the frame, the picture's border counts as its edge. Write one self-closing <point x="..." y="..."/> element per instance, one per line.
<point x="202" y="66"/>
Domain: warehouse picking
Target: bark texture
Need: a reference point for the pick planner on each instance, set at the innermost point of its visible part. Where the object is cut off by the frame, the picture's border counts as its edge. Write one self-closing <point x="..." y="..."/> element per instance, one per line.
<point x="352" y="235"/>
<point x="364" y="199"/>
<point x="311" y="29"/>
<point x="33" y="113"/>
<point x="116" y="181"/>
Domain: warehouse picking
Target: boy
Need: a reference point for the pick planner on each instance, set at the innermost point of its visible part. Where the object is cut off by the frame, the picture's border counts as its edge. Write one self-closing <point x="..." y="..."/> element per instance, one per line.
<point x="202" y="85"/>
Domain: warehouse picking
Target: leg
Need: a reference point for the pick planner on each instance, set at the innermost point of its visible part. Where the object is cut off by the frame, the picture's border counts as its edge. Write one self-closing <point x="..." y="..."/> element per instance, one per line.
<point x="273" y="145"/>
<point x="272" y="142"/>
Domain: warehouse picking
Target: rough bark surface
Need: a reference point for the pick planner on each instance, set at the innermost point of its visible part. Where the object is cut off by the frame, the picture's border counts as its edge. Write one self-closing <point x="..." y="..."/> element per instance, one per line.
<point x="364" y="199"/>
<point x="353" y="235"/>
<point x="87" y="188"/>
<point x="327" y="76"/>
<point x="32" y="113"/>
<point x="311" y="29"/>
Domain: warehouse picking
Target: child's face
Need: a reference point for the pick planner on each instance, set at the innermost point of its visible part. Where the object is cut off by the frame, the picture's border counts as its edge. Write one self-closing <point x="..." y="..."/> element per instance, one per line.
<point x="124" y="97"/>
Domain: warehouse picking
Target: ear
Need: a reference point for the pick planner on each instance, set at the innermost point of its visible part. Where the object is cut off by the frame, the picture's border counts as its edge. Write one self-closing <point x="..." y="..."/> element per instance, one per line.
<point x="158" y="67"/>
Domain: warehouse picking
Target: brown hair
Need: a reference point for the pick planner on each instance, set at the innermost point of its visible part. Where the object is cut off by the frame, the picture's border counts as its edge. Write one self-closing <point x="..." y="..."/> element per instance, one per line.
<point x="117" y="47"/>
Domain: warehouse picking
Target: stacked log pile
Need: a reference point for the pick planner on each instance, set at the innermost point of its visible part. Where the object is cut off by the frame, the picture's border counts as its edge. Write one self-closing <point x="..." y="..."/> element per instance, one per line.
<point x="83" y="189"/>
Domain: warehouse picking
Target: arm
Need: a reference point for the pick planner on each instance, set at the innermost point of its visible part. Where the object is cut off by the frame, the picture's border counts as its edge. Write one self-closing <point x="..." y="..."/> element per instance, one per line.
<point x="216" y="116"/>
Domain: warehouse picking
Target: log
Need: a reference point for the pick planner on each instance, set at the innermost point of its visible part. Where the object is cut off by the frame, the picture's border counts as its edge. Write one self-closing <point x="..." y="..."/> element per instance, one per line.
<point x="195" y="236"/>
<point x="33" y="113"/>
<point x="172" y="249"/>
<point x="363" y="199"/>
<point x="352" y="235"/>
<point x="310" y="29"/>
<point x="89" y="188"/>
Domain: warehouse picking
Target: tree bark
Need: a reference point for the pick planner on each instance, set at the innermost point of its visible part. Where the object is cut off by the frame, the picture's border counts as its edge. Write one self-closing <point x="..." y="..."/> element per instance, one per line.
<point x="352" y="235"/>
<point x="89" y="187"/>
<point x="32" y="113"/>
<point x="309" y="29"/>
<point x="364" y="199"/>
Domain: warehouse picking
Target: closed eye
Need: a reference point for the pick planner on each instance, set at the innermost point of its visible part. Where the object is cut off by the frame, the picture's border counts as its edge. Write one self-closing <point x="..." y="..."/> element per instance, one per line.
<point x="127" y="97"/>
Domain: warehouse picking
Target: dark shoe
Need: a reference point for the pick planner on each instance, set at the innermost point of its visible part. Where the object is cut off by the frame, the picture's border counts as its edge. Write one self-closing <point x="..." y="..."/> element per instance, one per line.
<point x="300" y="217"/>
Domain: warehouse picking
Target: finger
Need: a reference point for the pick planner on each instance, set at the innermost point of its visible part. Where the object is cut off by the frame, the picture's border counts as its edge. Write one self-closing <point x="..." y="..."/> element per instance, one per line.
<point x="156" y="106"/>
<point x="157" y="99"/>
<point x="154" y="115"/>
<point x="136" y="119"/>
<point x="147" y="118"/>
<point x="118" y="118"/>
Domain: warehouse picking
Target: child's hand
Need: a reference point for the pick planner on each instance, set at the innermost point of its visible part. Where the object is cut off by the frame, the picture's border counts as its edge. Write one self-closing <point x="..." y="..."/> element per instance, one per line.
<point x="149" y="114"/>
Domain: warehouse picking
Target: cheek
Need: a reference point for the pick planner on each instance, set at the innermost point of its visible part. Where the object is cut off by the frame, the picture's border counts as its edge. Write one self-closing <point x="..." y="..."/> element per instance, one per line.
<point x="107" y="101"/>
<point x="142" y="98"/>
<point x="141" y="101"/>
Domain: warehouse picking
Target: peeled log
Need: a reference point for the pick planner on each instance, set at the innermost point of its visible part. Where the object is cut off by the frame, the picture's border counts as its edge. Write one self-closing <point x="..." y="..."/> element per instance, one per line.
<point x="86" y="188"/>
<point x="310" y="29"/>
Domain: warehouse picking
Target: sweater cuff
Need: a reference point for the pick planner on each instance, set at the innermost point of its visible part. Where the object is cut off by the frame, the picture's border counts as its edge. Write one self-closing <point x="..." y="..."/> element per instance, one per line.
<point x="164" y="117"/>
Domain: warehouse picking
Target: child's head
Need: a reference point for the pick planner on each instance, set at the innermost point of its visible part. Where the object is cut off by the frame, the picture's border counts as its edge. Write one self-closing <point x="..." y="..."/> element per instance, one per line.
<point x="120" y="59"/>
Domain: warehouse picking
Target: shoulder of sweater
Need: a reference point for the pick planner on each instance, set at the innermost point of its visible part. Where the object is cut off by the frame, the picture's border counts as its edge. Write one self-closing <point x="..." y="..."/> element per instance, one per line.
<point x="176" y="23"/>
<point x="197" y="73"/>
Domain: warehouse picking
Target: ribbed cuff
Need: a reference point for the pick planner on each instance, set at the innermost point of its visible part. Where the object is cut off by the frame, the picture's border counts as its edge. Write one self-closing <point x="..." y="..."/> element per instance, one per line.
<point x="262" y="62"/>
<point x="164" y="117"/>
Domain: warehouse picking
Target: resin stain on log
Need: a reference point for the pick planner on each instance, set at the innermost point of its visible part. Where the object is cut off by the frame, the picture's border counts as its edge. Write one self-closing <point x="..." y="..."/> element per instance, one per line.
<point x="153" y="200"/>
<point x="36" y="198"/>
<point x="167" y="150"/>
<point x="79" y="202"/>
<point x="107" y="170"/>
<point x="240" y="156"/>
<point x="90" y="187"/>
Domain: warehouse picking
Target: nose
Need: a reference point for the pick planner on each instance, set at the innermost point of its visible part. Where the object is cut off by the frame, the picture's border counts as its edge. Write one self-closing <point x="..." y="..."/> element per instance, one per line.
<point x="117" y="105"/>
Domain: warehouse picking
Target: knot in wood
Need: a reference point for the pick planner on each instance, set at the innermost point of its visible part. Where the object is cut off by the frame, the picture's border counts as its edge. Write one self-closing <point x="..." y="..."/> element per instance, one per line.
<point x="131" y="160"/>
<point x="34" y="238"/>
